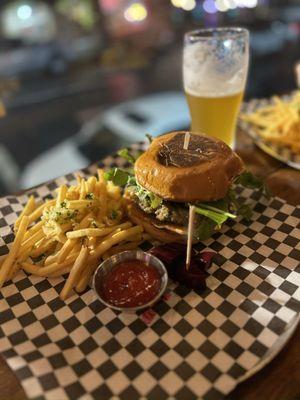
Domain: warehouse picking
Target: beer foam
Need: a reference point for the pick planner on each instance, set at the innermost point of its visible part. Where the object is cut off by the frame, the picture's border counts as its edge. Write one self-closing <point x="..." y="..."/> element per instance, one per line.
<point x="214" y="71"/>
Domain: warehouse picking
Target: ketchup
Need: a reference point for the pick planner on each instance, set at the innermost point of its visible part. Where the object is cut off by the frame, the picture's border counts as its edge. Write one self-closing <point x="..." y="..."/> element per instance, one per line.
<point x="131" y="283"/>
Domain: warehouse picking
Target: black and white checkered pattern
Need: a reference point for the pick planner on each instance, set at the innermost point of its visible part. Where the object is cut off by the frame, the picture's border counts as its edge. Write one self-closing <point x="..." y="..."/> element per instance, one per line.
<point x="280" y="152"/>
<point x="195" y="345"/>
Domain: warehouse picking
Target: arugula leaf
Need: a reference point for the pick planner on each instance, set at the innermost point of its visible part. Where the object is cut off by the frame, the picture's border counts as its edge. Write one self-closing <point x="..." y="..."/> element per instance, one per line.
<point x="149" y="137"/>
<point x="155" y="201"/>
<point x="217" y="217"/>
<point x="217" y="210"/>
<point x="118" y="176"/>
<point x="143" y="194"/>
<point x="205" y="229"/>
<point x="245" y="211"/>
<point x="108" y="175"/>
<point x="131" y="181"/>
<point x="240" y="208"/>
<point x="248" y="180"/>
<point x="125" y="154"/>
<point x="131" y="158"/>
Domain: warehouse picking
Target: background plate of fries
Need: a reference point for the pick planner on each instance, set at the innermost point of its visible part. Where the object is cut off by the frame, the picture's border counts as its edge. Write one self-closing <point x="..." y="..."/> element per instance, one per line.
<point x="274" y="125"/>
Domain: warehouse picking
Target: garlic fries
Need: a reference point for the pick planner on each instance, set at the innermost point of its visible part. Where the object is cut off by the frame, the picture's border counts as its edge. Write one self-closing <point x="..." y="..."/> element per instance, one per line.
<point x="71" y="234"/>
<point x="278" y="122"/>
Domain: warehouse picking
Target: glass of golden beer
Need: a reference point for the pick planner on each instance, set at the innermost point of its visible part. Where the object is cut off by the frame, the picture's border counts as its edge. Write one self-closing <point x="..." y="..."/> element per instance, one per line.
<point x="215" y="67"/>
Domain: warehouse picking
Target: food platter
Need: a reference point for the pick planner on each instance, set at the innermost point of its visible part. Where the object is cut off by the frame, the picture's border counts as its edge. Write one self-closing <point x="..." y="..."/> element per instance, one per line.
<point x="279" y="152"/>
<point x="192" y="343"/>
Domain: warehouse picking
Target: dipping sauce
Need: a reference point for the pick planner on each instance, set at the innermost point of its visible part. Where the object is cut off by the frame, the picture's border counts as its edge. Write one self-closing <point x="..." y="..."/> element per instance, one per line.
<point x="130" y="283"/>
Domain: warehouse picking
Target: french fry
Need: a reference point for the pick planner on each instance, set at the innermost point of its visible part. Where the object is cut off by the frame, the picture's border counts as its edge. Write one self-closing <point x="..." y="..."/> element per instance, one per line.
<point x="52" y="258"/>
<point x="79" y="204"/>
<point x="61" y="238"/>
<point x="49" y="269"/>
<point x="13" y="271"/>
<point x="85" y="278"/>
<point x="115" y="239"/>
<point x="102" y="192"/>
<point x="28" y="209"/>
<point x="32" y="230"/>
<point x="65" y="250"/>
<point x="75" y="273"/>
<point x="30" y="242"/>
<point x="96" y="231"/>
<point x="61" y="272"/>
<point x="37" y="213"/>
<point x="12" y="255"/>
<point x="86" y="221"/>
<point x="91" y="184"/>
<point x="78" y="178"/>
<point x="76" y="248"/>
<point x="44" y="246"/>
<point x="82" y="189"/>
<point x="62" y="191"/>
<point x="92" y="242"/>
<point x="121" y="247"/>
<point x="87" y="188"/>
<point x="113" y="191"/>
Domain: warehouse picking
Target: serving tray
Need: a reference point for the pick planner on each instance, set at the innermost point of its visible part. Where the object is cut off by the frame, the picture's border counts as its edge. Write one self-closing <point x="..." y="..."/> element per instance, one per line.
<point x="191" y="345"/>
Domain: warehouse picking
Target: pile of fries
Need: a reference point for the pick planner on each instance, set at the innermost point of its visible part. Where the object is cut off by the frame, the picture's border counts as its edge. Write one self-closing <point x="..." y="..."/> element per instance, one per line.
<point x="71" y="234"/>
<point x="278" y="122"/>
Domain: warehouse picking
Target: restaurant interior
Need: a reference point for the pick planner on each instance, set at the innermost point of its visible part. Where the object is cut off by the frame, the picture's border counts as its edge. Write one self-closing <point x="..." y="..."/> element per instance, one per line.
<point x="73" y="74"/>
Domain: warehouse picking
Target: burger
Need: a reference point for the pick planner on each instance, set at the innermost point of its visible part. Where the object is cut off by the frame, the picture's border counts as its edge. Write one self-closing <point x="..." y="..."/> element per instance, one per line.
<point x="175" y="173"/>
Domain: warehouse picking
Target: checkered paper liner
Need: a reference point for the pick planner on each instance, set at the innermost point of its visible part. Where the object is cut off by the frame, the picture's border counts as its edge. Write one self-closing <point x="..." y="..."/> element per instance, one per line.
<point x="280" y="152"/>
<point x="191" y="345"/>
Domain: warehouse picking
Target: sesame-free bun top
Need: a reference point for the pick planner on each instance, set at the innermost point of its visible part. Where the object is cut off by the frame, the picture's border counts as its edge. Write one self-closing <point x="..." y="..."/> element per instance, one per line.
<point x="202" y="172"/>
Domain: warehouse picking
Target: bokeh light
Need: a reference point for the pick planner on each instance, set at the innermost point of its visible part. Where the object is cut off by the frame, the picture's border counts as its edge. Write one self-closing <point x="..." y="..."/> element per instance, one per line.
<point x="176" y="3"/>
<point x="24" y="11"/>
<point x="136" y="12"/>
<point x="188" y="5"/>
<point x="221" y="6"/>
<point x="250" y="3"/>
<point x="209" y="6"/>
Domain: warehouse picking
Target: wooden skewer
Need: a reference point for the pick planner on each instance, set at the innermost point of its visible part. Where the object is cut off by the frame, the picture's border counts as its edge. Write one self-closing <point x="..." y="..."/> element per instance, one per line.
<point x="190" y="236"/>
<point x="186" y="142"/>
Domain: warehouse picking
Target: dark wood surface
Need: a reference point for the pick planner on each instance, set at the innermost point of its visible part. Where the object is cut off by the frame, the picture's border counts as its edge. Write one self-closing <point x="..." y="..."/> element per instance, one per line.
<point x="280" y="380"/>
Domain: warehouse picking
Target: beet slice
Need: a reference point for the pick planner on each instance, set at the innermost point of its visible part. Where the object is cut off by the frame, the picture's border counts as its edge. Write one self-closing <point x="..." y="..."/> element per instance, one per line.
<point x="173" y="256"/>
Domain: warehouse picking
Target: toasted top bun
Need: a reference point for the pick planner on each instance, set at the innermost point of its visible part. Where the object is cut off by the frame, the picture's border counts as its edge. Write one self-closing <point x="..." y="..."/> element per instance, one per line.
<point x="203" y="172"/>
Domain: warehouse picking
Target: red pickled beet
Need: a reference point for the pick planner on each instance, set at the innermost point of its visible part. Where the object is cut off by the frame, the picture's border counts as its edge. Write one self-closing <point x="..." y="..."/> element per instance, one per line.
<point x="131" y="283"/>
<point x="173" y="255"/>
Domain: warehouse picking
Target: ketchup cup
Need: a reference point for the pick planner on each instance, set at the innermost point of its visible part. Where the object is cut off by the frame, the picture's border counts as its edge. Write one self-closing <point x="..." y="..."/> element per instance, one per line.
<point x="106" y="267"/>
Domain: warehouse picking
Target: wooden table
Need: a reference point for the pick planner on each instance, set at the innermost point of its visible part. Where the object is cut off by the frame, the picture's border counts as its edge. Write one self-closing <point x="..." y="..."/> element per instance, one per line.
<point x="280" y="380"/>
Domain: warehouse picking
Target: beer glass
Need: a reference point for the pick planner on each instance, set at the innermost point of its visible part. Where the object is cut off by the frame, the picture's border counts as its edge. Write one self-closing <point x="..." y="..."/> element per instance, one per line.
<point x="215" y="67"/>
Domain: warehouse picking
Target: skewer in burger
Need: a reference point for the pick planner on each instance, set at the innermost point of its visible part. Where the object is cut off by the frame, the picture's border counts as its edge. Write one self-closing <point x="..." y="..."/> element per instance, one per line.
<point x="168" y="178"/>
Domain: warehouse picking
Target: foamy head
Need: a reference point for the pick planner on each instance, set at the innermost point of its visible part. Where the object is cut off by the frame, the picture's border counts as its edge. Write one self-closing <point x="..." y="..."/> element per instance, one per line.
<point x="212" y="69"/>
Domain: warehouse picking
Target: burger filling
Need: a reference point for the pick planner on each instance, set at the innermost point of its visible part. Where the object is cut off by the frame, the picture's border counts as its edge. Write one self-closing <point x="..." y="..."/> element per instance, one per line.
<point x="209" y="215"/>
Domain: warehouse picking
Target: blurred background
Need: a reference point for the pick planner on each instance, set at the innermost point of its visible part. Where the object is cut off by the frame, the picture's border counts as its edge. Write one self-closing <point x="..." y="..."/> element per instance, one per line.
<point x="81" y="78"/>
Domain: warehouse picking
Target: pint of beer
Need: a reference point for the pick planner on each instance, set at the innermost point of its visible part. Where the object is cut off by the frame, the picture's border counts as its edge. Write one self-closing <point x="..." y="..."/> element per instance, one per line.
<point x="215" y="66"/>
